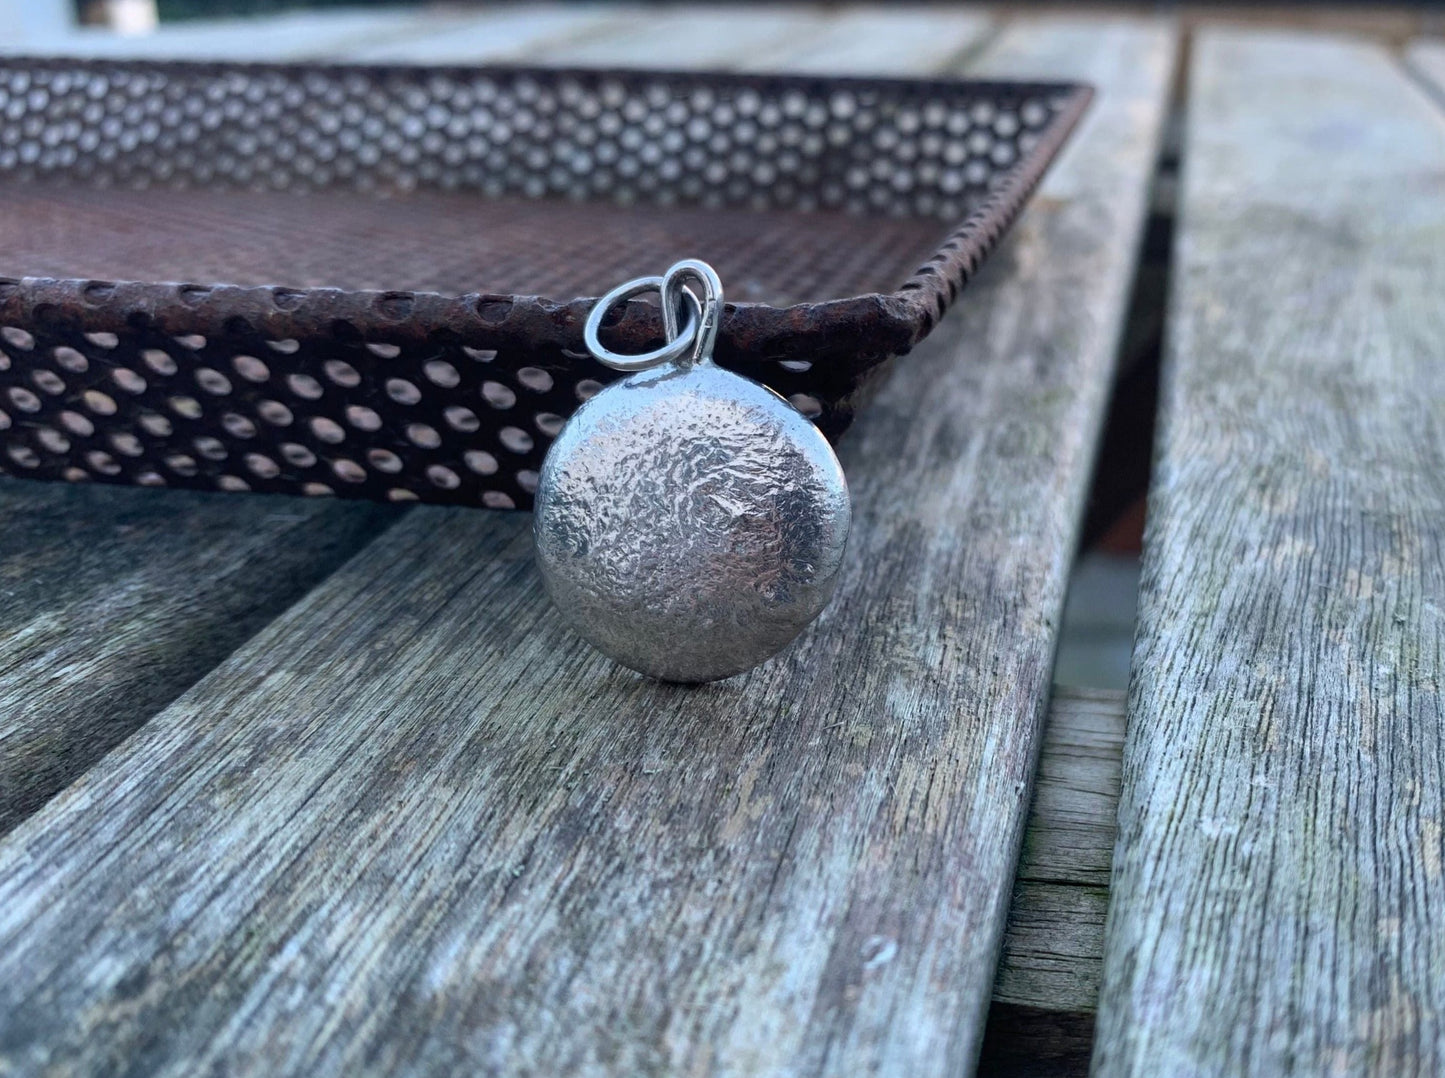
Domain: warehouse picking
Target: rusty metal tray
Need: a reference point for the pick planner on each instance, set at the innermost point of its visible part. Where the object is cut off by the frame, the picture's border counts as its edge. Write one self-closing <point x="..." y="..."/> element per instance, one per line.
<point x="359" y="280"/>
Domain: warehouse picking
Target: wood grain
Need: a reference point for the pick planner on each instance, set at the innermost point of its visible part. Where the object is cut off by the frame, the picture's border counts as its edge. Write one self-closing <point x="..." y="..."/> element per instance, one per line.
<point x="714" y="36"/>
<point x="415" y="827"/>
<point x="112" y="602"/>
<point x="1054" y="942"/>
<point x="505" y="32"/>
<point x="1278" y="903"/>
<point x="1041" y="1021"/>
<point x="896" y="40"/>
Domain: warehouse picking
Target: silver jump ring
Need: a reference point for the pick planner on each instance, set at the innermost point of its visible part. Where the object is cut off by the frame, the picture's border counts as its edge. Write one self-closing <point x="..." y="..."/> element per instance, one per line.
<point x="673" y="289"/>
<point x="678" y="344"/>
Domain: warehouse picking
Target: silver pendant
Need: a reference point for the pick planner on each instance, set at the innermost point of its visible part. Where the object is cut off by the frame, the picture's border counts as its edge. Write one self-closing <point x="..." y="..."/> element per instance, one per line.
<point x="689" y="522"/>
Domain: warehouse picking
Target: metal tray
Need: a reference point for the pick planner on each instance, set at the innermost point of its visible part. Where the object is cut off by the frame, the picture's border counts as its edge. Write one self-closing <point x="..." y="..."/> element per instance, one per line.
<point x="358" y="280"/>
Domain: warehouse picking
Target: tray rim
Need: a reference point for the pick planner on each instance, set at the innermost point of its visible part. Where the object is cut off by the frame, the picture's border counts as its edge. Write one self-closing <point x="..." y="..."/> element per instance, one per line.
<point x="879" y="325"/>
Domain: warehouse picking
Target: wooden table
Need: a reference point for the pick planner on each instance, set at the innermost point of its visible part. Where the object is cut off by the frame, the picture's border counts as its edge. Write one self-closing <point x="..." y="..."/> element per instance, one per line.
<point x="291" y="787"/>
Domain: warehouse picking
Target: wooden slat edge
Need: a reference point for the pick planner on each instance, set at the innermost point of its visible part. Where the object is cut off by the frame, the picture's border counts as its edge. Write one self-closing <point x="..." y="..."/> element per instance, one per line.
<point x="1277" y="895"/>
<point x="113" y="602"/>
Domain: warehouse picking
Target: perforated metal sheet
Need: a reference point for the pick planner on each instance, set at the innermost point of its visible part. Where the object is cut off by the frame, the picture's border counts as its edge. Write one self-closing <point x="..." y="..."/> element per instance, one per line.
<point x="449" y="242"/>
<point x="844" y="214"/>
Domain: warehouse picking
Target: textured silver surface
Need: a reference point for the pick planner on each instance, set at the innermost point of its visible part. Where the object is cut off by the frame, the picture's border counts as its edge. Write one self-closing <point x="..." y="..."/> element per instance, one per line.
<point x="690" y="523"/>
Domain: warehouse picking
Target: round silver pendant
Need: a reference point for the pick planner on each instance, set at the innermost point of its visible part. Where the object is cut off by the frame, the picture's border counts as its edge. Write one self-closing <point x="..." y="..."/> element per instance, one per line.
<point x="689" y="522"/>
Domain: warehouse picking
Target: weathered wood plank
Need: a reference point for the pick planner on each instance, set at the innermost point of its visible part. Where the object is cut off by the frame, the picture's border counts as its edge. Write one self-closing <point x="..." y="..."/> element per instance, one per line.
<point x="1076" y="799"/>
<point x="112" y="602"/>
<point x="692" y="37"/>
<point x="292" y="36"/>
<point x="1278" y="901"/>
<point x="1053" y="949"/>
<point x="896" y="40"/>
<point x="417" y="796"/>
<point x="1042" y="1018"/>
<point x="505" y="32"/>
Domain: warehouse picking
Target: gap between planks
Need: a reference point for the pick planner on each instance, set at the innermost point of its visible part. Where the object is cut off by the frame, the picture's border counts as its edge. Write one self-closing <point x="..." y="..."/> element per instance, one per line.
<point x="1047" y="988"/>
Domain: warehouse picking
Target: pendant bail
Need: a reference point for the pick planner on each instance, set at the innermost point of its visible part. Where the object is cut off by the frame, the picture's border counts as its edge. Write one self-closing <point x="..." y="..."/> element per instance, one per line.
<point x="690" y="345"/>
<point x="673" y="289"/>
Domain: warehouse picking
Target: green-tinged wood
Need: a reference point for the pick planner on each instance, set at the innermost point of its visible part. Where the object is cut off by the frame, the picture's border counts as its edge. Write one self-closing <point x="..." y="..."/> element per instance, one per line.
<point x="1063" y="875"/>
<point x="1278" y="904"/>
<point x="1044" y="997"/>
<point x="113" y="601"/>
<point x="1054" y="948"/>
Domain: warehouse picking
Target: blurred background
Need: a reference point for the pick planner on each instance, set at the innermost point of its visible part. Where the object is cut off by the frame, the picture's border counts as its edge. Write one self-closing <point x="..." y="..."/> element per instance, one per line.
<point x="195" y="9"/>
<point x="140" y="16"/>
